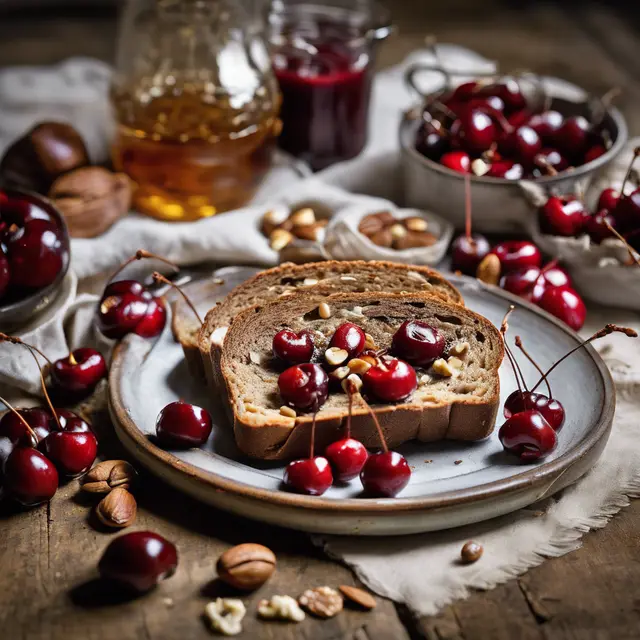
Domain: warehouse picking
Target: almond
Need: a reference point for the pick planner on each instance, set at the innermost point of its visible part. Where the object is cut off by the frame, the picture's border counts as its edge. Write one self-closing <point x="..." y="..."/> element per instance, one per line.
<point x="489" y="269"/>
<point x="108" y="475"/>
<point x="118" y="509"/>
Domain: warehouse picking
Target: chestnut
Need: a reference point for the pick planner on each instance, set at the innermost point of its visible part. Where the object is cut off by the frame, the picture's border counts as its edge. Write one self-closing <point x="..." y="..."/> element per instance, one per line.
<point x="43" y="154"/>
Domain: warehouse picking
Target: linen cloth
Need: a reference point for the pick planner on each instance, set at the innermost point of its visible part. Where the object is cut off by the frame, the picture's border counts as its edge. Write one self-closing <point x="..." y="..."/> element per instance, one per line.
<point x="420" y="570"/>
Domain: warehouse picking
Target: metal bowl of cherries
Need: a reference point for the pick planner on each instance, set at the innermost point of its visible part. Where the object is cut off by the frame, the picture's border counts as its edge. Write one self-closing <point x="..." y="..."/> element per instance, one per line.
<point x="34" y="255"/>
<point x="500" y="130"/>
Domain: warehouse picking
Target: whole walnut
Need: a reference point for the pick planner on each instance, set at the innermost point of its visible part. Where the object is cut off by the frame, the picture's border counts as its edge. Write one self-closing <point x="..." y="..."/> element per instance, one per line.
<point x="48" y="151"/>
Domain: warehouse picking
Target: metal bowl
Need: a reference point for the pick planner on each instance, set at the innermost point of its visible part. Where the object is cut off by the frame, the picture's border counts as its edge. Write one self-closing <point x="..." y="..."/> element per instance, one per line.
<point x="18" y="312"/>
<point x="498" y="204"/>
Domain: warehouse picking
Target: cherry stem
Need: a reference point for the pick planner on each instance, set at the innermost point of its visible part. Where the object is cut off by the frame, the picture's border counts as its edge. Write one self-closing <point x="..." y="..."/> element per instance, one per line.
<point x="467" y="206"/>
<point x="632" y="253"/>
<point x="636" y="153"/>
<point x="139" y="255"/>
<point x="43" y="385"/>
<point x="72" y="361"/>
<point x="30" y="431"/>
<point x="313" y="434"/>
<point x="529" y="357"/>
<point x="158" y="277"/>
<point x="517" y="372"/>
<point x="605" y="331"/>
<point x="13" y="340"/>
<point x="374" y="417"/>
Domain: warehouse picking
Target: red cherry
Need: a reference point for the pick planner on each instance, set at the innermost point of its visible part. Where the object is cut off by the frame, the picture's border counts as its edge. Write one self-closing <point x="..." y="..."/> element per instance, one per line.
<point x="181" y="426"/>
<point x="36" y="253"/>
<point x="467" y="253"/>
<point x="550" y="408"/>
<point x="385" y="474"/>
<point x="489" y="104"/>
<point x="565" y="304"/>
<point x="594" y="152"/>
<point x="391" y="380"/>
<point x="119" y="315"/>
<point x="304" y="386"/>
<point x="549" y="158"/>
<point x="72" y="452"/>
<point x="431" y="143"/>
<point x="29" y="477"/>
<point x="546" y="124"/>
<point x="310" y="475"/>
<point x="139" y="560"/>
<point x="5" y="273"/>
<point x="153" y="321"/>
<point x="418" y="342"/>
<point x="21" y="212"/>
<point x="350" y="337"/>
<point x="346" y="457"/>
<point x="519" y="118"/>
<point x="521" y="282"/>
<point x="292" y="347"/>
<point x="528" y="435"/>
<point x="596" y="226"/>
<point x="457" y="161"/>
<point x="523" y="143"/>
<point x="506" y="169"/>
<point x="508" y="91"/>
<point x="464" y="92"/>
<point x="80" y="371"/>
<point x="517" y="254"/>
<point x="120" y="287"/>
<point x="13" y="428"/>
<point x="608" y="199"/>
<point x="572" y="136"/>
<point x="550" y="277"/>
<point x="475" y="131"/>
<point x="562" y="216"/>
<point x="627" y="212"/>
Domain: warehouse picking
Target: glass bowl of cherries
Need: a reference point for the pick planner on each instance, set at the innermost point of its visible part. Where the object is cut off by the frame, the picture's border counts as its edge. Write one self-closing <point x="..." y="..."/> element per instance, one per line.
<point x="34" y="255"/>
<point x="500" y="130"/>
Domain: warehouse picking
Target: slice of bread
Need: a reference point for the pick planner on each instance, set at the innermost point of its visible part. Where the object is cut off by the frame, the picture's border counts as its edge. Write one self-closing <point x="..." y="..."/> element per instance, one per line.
<point x="320" y="278"/>
<point x="461" y="407"/>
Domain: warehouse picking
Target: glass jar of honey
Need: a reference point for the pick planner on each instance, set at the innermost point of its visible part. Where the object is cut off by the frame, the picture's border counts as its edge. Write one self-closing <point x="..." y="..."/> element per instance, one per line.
<point x="196" y="106"/>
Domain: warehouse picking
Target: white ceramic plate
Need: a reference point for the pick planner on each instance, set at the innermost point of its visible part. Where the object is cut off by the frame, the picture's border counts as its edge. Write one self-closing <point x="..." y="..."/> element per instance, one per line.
<point x="487" y="482"/>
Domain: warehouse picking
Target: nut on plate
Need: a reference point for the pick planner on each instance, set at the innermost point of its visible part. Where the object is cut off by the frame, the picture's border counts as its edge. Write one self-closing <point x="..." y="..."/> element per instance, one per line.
<point x="91" y="199"/>
<point x="323" y="602"/>
<point x="246" y="566"/>
<point x="118" y="509"/>
<point x="358" y="596"/>
<point x="225" y="615"/>
<point x="488" y="270"/>
<point x="108" y="475"/>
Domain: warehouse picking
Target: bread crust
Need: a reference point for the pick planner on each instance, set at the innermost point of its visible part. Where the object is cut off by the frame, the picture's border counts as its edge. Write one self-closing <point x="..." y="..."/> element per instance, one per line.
<point x="281" y="438"/>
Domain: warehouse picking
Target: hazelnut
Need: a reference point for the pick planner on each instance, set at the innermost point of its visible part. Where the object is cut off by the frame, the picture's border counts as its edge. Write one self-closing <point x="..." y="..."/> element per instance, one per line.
<point x="371" y="224"/>
<point x="398" y="231"/>
<point x="118" y="509"/>
<point x="273" y="219"/>
<point x="382" y="238"/>
<point x="416" y="224"/>
<point x="310" y="232"/>
<point x="49" y="150"/>
<point x="303" y="217"/>
<point x="471" y="552"/>
<point x="412" y="240"/>
<point x="246" y="566"/>
<point x="279" y="239"/>
<point x="91" y="199"/>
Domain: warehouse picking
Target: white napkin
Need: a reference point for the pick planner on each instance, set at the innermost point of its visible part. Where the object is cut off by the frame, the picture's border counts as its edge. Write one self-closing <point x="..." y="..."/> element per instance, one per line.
<point x="420" y="570"/>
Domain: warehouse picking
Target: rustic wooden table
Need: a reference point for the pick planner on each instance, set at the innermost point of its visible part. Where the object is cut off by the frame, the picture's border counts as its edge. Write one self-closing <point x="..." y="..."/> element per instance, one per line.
<point x="48" y="555"/>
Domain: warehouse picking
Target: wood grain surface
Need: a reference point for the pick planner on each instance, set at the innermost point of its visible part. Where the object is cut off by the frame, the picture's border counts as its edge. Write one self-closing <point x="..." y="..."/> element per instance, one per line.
<point x="48" y="555"/>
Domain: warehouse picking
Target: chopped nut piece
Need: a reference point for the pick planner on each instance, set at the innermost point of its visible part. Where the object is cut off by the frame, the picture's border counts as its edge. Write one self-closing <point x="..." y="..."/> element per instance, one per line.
<point x="335" y="356"/>
<point x="479" y="167"/>
<point x="324" y="310"/>
<point x="288" y="412"/>
<point x="251" y="408"/>
<point x="398" y="231"/>
<point x="471" y="552"/>
<point x="340" y="373"/>
<point x="225" y="615"/>
<point x="280" y="608"/>
<point x="359" y="366"/>
<point x="309" y="282"/>
<point x="416" y="224"/>
<point x="279" y="239"/>
<point x="303" y="217"/>
<point x="350" y="381"/>
<point x="442" y="368"/>
<point x="454" y="362"/>
<point x="425" y="378"/>
<point x="459" y="349"/>
<point x="370" y="359"/>
<point x="323" y="602"/>
<point x="348" y="279"/>
<point x="358" y="596"/>
<point x="369" y="342"/>
<point x="255" y="357"/>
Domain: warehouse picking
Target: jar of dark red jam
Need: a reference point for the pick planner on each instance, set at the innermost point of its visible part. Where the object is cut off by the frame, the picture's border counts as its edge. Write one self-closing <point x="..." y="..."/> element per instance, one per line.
<point x="323" y="57"/>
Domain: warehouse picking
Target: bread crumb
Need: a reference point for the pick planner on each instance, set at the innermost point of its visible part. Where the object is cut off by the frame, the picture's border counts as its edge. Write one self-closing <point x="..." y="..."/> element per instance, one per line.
<point x="458" y="462"/>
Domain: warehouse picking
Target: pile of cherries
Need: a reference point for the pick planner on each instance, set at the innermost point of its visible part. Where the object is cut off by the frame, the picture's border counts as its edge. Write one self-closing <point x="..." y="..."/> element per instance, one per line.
<point x="617" y="212"/>
<point x="488" y="129"/>
<point x="305" y="386"/>
<point x="534" y="419"/>
<point x="34" y="246"/>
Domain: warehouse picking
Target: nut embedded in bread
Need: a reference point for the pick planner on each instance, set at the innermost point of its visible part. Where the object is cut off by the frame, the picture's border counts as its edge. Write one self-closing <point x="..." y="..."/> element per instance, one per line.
<point x="458" y="399"/>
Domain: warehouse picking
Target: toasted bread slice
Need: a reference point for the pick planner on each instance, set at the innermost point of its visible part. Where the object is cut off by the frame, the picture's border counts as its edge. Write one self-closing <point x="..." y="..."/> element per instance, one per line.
<point x="460" y="407"/>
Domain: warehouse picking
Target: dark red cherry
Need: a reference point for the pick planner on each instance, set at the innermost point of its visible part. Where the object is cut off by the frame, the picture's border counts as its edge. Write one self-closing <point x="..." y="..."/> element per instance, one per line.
<point x="565" y="304"/>
<point x="69" y="421"/>
<point x="304" y="386"/>
<point x="523" y="144"/>
<point x="627" y="212"/>
<point x="550" y="276"/>
<point x="430" y="143"/>
<point x="29" y="477"/>
<point x="457" y="161"/>
<point x="36" y="254"/>
<point x="608" y="199"/>
<point x="476" y="131"/>
<point x="562" y="216"/>
<point x="517" y="254"/>
<point x="467" y="253"/>
<point x="80" y="371"/>
<point x="5" y="273"/>
<point x="550" y="408"/>
<point x="391" y="380"/>
<point x="572" y="138"/>
<point x="311" y="476"/>
<point x="72" y="452"/>
<point x="21" y="212"/>
<point x="385" y="474"/>
<point x="154" y="319"/>
<point x="418" y="343"/>
<point x="13" y="428"/>
<point x="519" y="118"/>
<point x="546" y="124"/>
<point x="139" y="560"/>
<point x="596" y="226"/>
<point x="350" y="337"/>
<point x="528" y="435"/>
<point x="594" y="152"/>
<point x="508" y="91"/>
<point x="292" y="347"/>
<point x="489" y="104"/>
<point x="507" y="169"/>
<point x="119" y="314"/>
<point x="346" y="457"/>
<point x="549" y="160"/>
<point x="521" y="282"/>
<point x="464" y="91"/>
<point x="120" y="287"/>
<point x="182" y="426"/>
